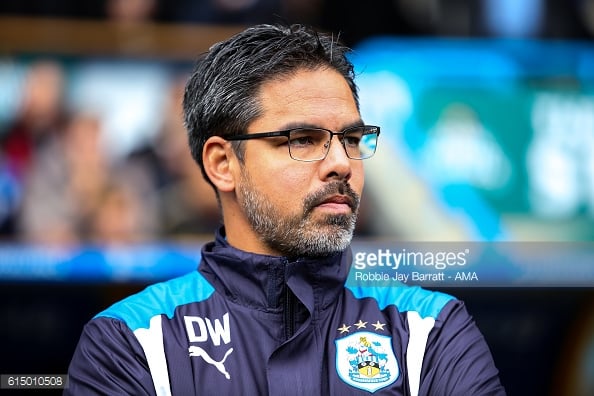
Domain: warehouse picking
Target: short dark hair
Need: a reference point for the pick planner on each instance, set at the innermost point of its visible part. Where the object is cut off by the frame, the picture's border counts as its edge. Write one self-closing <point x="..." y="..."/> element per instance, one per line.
<point x="221" y="96"/>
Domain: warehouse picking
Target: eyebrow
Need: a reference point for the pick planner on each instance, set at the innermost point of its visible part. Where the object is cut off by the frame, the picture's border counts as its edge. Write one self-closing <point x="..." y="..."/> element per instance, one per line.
<point x="293" y="125"/>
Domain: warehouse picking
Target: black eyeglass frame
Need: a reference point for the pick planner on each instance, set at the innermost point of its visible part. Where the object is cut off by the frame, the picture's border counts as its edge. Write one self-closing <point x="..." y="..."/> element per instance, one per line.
<point x="287" y="133"/>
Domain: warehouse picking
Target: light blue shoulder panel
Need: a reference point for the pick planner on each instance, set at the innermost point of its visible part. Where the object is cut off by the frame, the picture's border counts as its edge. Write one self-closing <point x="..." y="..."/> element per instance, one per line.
<point x="406" y="298"/>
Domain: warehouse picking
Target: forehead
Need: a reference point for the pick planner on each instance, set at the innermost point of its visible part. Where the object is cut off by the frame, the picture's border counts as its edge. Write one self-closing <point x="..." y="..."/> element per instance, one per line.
<point x="320" y="97"/>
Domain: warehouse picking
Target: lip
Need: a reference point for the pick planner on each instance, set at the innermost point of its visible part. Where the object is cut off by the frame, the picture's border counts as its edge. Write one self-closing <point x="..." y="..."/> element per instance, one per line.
<point x="337" y="202"/>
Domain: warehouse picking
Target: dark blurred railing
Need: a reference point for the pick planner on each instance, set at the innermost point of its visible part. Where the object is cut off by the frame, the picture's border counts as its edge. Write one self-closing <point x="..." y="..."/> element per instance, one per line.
<point x="23" y="35"/>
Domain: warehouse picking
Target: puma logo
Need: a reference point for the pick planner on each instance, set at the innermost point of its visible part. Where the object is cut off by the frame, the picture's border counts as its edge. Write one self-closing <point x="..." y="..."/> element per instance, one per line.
<point x="197" y="351"/>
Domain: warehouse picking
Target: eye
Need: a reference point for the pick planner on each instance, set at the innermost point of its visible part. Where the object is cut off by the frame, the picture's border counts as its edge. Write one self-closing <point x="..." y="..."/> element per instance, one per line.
<point x="301" y="138"/>
<point x="352" y="140"/>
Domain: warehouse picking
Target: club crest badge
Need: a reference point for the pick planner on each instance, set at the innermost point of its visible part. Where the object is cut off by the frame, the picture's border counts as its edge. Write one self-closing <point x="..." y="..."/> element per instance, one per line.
<point x="366" y="360"/>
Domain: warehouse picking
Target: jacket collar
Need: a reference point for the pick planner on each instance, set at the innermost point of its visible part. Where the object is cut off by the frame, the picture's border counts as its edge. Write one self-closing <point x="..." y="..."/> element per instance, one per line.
<point x="260" y="281"/>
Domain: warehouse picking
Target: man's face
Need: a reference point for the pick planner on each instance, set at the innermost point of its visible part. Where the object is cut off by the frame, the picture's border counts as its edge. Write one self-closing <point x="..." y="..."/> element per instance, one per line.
<point x="300" y="208"/>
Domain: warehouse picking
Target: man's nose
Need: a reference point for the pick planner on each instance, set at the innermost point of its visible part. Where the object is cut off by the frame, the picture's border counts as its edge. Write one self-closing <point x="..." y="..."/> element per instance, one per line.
<point x="337" y="163"/>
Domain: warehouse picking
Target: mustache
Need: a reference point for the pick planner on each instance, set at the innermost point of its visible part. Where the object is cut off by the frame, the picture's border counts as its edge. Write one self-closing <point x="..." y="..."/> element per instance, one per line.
<point x="342" y="188"/>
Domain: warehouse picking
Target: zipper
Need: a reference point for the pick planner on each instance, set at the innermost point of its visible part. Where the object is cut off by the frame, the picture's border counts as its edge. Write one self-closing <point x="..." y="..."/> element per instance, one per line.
<point x="290" y="307"/>
<point x="289" y="310"/>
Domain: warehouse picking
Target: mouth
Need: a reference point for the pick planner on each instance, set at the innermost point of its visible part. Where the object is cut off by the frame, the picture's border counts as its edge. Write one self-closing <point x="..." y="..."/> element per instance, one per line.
<point x="338" y="203"/>
<point x="336" y="198"/>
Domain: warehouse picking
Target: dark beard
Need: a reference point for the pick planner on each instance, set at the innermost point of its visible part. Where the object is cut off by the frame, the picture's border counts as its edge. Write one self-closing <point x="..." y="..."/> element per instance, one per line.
<point x="301" y="236"/>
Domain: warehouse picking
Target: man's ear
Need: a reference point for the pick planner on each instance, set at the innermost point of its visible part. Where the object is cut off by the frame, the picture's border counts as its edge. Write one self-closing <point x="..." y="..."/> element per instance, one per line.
<point x="218" y="157"/>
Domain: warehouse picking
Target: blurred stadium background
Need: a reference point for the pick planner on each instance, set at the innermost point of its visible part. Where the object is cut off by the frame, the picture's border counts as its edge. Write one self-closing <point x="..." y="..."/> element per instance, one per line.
<point x="487" y="115"/>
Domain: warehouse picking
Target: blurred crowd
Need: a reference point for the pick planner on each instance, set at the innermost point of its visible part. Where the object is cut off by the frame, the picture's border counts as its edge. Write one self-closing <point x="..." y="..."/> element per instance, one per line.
<point x="59" y="185"/>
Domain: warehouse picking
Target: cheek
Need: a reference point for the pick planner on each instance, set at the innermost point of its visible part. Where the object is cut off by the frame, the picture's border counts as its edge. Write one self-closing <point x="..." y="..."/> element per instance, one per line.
<point x="358" y="179"/>
<point x="290" y="185"/>
<point x="272" y="170"/>
<point x="358" y="184"/>
<point x="287" y="186"/>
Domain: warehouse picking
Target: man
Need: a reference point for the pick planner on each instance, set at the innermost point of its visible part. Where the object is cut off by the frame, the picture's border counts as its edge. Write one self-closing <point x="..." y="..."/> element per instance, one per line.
<point x="274" y="123"/>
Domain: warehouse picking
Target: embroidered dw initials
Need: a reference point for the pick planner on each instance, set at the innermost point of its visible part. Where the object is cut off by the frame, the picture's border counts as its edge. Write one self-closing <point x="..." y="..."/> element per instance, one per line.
<point x="200" y="329"/>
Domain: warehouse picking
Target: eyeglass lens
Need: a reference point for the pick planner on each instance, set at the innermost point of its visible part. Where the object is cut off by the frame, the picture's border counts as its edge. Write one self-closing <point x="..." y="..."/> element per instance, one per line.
<point x="314" y="144"/>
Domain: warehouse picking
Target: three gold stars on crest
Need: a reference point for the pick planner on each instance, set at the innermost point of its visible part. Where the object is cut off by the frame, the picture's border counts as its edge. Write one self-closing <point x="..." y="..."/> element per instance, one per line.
<point x="361" y="325"/>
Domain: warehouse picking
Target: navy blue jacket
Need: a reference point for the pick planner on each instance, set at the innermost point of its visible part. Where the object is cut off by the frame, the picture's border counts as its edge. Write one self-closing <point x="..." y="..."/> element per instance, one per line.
<point x="247" y="324"/>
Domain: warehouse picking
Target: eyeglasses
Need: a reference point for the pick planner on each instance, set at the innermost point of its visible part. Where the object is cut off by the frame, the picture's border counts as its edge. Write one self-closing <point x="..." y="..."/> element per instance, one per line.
<point x="313" y="144"/>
